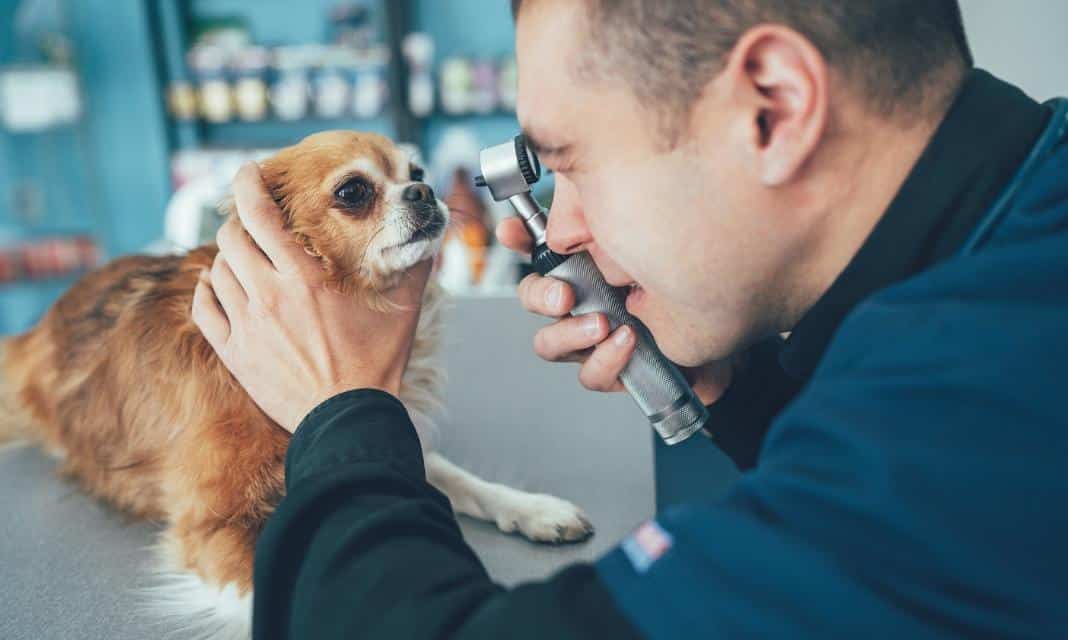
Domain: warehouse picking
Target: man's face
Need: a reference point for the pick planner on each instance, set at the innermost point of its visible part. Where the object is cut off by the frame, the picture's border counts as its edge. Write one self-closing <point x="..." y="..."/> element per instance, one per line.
<point x="687" y="225"/>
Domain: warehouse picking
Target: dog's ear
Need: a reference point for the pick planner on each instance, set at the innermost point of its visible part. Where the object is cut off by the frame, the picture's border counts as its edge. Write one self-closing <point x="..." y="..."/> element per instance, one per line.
<point x="273" y="179"/>
<point x="276" y="178"/>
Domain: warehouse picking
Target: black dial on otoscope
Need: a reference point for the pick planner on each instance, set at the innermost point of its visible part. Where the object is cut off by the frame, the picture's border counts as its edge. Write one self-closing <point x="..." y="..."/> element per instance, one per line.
<point x="544" y="259"/>
<point x="529" y="165"/>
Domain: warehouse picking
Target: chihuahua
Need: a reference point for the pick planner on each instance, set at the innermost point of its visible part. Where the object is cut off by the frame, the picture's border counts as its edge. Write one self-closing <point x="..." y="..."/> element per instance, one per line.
<point x="118" y="383"/>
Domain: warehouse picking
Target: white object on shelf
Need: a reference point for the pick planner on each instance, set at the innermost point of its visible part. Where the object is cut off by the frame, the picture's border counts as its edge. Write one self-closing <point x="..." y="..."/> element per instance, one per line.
<point x="457" y="83"/>
<point x="187" y="217"/>
<point x="201" y="180"/>
<point x="418" y="51"/>
<point x="38" y="98"/>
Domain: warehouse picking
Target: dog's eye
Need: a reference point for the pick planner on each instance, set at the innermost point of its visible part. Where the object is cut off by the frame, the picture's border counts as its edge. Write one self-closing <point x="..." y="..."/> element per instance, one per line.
<point x="354" y="193"/>
<point x="417" y="174"/>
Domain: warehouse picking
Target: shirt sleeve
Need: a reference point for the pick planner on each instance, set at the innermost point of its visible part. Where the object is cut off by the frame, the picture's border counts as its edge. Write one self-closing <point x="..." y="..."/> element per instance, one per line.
<point x="363" y="546"/>
<point x="739" y="420"/>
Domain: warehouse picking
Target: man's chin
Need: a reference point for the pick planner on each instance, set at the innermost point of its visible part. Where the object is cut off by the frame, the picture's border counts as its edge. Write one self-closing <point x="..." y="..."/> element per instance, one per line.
<point x="672" y="344"/>
<point x="684" y="345"/>
<point x="682" y="355"/>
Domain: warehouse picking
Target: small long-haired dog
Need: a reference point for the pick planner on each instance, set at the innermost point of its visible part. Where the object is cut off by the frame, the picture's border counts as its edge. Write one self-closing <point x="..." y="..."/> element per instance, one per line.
<point x="118" y="383"/>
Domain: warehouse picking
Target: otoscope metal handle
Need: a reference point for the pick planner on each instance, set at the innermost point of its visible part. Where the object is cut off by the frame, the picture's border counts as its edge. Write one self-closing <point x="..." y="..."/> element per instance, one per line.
<point x="654" y="382"/>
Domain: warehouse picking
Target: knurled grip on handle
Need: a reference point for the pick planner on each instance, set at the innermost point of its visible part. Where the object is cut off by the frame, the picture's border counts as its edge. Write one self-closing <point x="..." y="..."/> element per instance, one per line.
<point x="654" y="382"/>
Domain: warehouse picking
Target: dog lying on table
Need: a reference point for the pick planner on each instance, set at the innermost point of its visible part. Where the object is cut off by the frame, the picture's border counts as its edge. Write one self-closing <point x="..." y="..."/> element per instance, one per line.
<point x="118" y="383"/>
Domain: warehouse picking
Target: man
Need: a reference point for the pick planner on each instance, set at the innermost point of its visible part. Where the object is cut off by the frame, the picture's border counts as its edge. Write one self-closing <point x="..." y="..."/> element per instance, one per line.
<point x="830" y="168"/>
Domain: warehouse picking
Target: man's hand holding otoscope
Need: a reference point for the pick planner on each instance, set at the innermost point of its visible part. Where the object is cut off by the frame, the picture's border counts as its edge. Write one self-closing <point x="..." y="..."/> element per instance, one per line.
<point x="630" y="360"/>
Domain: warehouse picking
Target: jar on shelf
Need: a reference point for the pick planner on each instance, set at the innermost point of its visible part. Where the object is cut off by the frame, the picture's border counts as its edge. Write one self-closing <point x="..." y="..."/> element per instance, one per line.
<point x="370" y="88"/>
<point x="483" y="86"/>
<point x="182" y="100"/>
<point x="214" y="97"/>
<point x="250" y="83"/>
<point x="290" y="85"/>
<point x="507" y="84"/>
<point x="333" y="83"/>
<point x="418" y="49"/>
<point x="456" y="86"/>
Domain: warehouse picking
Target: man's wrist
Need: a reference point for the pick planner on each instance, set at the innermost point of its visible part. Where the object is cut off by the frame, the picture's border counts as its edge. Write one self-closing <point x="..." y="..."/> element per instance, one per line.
<point x="355" y="426"/>
<point x="325" y="397"/>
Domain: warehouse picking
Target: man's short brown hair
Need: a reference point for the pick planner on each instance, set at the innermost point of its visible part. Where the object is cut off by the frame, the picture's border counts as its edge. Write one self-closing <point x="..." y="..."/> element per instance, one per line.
<point x="905" y="58"/>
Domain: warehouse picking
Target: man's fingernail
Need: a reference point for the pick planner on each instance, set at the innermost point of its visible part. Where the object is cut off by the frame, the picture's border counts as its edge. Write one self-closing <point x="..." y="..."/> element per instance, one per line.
<point x="554" y="295"/>
<point x="591" y="325"/>
<point x="623" y="336"/>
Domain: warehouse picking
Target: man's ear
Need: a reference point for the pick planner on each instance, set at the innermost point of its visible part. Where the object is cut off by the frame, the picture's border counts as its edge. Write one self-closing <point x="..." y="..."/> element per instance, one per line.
<point x="782" y="83"/>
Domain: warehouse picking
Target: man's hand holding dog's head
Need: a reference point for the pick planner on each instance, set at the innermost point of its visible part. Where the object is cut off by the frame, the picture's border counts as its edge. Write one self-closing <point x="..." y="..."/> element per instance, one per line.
<point x="289" y="340"/>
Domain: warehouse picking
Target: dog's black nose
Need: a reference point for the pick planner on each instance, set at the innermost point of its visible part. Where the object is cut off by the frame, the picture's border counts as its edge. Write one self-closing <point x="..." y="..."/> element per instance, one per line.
<point x="419" y="192"/>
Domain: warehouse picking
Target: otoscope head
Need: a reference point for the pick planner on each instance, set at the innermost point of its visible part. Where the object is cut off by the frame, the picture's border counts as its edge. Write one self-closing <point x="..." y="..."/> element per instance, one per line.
<point x="508" y="169"/>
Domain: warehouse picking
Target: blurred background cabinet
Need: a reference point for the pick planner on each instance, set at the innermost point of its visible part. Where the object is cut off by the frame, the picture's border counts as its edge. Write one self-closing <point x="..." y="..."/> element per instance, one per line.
<point x="105" y="178"/>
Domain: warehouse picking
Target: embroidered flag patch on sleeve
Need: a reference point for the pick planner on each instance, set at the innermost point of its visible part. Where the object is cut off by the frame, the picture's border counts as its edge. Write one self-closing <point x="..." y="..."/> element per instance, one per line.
<point x="646" y="545"/>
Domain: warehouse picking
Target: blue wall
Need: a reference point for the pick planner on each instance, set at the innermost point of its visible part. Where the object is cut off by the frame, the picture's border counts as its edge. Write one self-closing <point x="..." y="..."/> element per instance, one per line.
<point x="126" y="124"/>
<point x="109" y="176"/>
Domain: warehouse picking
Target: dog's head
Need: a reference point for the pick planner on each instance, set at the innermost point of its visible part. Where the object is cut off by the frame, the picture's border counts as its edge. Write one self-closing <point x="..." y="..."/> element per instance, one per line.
<point x="358" y="203"/>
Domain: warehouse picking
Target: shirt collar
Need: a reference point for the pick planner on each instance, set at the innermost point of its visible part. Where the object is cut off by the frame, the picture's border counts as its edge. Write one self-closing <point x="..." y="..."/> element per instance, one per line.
<point x="986" y="134"/>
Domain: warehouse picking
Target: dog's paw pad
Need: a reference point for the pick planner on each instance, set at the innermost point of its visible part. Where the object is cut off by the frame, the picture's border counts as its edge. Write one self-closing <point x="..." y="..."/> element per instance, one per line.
<point x="544" y="518"/>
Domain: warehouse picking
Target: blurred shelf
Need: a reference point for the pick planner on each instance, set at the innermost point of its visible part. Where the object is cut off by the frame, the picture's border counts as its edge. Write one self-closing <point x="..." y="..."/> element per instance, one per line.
<point x="276" y="133"/>
<point x="470" y="116"/>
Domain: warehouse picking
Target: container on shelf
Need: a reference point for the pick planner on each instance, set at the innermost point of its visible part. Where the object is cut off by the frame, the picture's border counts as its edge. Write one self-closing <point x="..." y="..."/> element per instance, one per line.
<point x="214" y="97"/>
<point x="48" y="257"/>
<point x="484" y="94"/>
<point x="182" y="100"/>
<point x="507" y="84"/>
<point x="332" y="85"/>
<point x="418" y="51"/>
<point x="456" y="78"/>
<point x="371" y="90"/>
<point x="290" y="85"/>
<point x="250" y="67"/>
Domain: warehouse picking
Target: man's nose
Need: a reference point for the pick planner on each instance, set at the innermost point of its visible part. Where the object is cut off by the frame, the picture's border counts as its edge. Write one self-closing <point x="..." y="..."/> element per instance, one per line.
<point x="567" y="231"/>
<point x="419" y="192"/>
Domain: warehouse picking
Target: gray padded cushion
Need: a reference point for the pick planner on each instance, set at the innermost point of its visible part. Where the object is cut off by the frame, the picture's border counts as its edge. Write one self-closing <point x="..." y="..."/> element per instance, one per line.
<point x="71" y="565"/>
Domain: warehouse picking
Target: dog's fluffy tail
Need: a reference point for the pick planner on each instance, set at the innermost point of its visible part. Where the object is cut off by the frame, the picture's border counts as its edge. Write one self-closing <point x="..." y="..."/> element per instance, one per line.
<point x="14" y="422"/>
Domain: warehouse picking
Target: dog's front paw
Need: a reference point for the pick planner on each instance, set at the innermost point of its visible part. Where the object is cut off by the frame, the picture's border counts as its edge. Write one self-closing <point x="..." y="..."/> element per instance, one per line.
<point x="544" y="518"/>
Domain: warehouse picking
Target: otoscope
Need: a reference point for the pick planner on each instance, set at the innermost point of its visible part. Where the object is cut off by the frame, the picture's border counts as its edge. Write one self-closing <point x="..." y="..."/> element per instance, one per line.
<point x="654" y="382"/>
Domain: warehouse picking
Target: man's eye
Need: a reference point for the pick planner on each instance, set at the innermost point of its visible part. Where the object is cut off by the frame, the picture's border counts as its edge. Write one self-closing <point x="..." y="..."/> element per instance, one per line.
<point x="417" y="174"/>
<point x="354" y="193"/>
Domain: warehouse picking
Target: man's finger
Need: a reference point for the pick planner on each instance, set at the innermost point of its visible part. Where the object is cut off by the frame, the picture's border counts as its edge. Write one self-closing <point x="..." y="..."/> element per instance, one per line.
<point x="209" y="316"/>
<point x="228" y="290"/>
<point x="560" y="341"/>
<point x="546" y="296"/>
<point x="513" y="234"/>
<point x="262" y="218"/>
<point x="601" y="370"/>
<point x="248" y="264"/>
